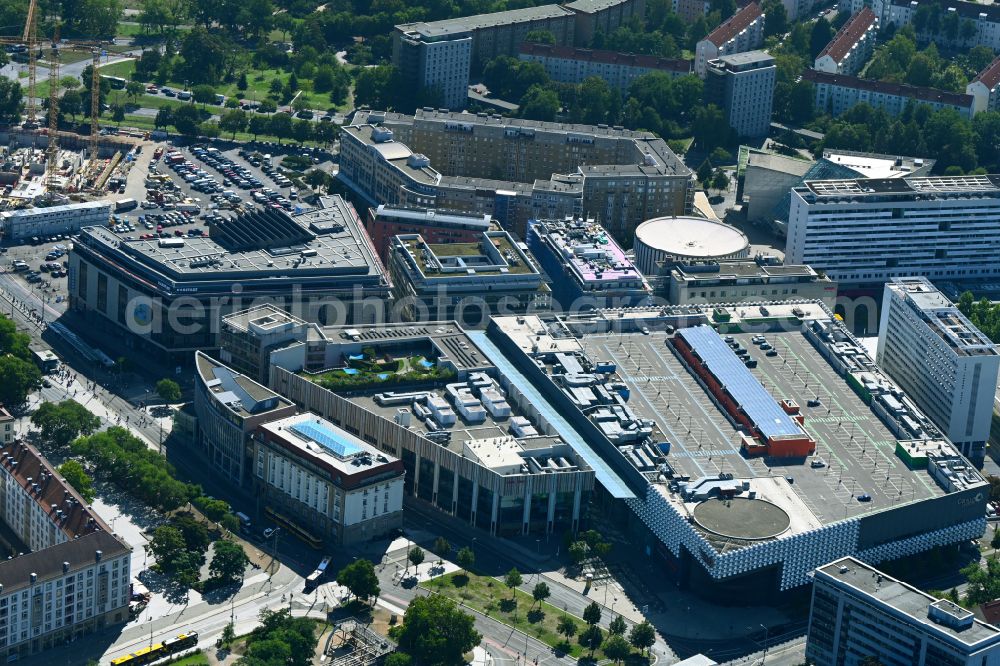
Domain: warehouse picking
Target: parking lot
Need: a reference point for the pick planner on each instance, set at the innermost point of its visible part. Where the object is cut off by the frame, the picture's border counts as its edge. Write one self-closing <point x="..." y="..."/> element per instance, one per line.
<point x="855" y="452"/>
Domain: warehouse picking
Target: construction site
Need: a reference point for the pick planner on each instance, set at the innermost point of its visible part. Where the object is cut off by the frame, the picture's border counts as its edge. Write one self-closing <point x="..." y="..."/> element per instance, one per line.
<point x="41" y="164"/>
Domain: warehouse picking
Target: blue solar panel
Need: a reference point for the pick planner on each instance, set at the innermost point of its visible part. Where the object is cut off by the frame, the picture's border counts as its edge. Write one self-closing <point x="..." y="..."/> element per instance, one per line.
<point x="746" y="390"/>
<point x="338" y="444"/>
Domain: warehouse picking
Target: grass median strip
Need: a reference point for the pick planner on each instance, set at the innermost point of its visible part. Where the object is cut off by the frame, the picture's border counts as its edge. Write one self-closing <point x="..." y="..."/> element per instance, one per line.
<point x="492" y="598"/>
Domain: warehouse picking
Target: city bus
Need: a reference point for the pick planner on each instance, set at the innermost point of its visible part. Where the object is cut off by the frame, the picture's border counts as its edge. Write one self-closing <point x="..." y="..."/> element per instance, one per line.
<point x="316" y="577"/>
<point x="45" y="360"/>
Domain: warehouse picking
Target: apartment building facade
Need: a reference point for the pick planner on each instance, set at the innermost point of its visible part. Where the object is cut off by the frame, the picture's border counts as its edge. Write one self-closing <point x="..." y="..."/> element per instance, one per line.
<point x="984" y="19"/>
<point x="836" y="93"/>
<point x="985" y="88"/>
<point x="868" y="231"/>
<point x="573" y="65"/>
<point x="851" y="47"/>
<point x="742" y="85"/>
<point x="743" y="31"/>
<point x="941" y="360"/>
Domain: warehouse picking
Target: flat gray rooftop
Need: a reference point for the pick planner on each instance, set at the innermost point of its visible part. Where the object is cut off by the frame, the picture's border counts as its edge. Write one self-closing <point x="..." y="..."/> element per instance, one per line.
<point x="334" y="242"/>
<point x="448" y="336"/>
<point x="904" y="598"/>
<point x="858" y="450"/>
<point x="464" y="24"/>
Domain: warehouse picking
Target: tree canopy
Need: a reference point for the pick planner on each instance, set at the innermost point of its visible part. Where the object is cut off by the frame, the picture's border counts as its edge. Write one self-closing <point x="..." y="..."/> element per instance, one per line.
<point x="62" y="422"/>
<point x="435" y="632"/>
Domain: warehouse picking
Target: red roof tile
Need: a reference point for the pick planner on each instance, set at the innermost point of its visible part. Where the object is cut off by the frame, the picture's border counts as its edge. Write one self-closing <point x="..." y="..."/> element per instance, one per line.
<point x="736" y="23"/>
<point x="608" y="57"/>
<point x="849" y="35"/>
<point x="991" y="75"/>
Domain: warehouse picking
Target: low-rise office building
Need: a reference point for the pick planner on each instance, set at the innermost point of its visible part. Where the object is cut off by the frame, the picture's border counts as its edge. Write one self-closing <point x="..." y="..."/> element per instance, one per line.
<point x="942" y="360"/>
<point x="868" y="231"/>
<point x="851" y="47"/>
<point x="23" y="223"/>
<point x="836" y="93"/>
<point x="248" y="337"/>
<point x="742" y="85"/>
<point x="325" y="484"/>
<point x="229" y="407"/>
<point x="473" y="443"/>
<point x="467" y="282"/>
<point x="436" y="226"/>
<point x="742" y="281"/>
<point x="65" y="574"/>
<point x="587" y="268"/>
<point x="548" y="170"/>
<point x="743" y="31"/>
<point x="167" y="295"/>
<point x="572" y="65"/>
<point x="859" y="612"/>
<point x="985" y="88"/>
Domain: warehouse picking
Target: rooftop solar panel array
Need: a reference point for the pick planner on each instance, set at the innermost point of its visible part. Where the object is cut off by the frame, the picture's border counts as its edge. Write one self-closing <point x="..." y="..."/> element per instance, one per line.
<point x="337" y="444"/>
<point x="736" y="378"/>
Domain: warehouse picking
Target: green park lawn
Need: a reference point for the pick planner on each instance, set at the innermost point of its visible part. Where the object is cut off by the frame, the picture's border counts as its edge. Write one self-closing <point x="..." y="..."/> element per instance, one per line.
<point x="491" y="597"/>
<point x="196" y="659"/>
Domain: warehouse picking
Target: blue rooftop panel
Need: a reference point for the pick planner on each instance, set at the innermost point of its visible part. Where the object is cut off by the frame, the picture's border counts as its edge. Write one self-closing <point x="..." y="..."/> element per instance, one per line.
<point x="338" y="443"/>
<point x="736" y="378"/>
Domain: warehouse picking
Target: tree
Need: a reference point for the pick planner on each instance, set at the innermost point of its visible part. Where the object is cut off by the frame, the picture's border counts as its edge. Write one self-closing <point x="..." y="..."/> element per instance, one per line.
<point x="360" y="579"/>
<point x="203" y="93"/>
<point x="441" y="546"/>
<point x="617" y="648"/>
<point x="592" y="614"/>
<point x="617" y="626"/>
<point x="281" y="639"/>
<point x="539" y="104"/>
<point x="540" y="593"/>
<point x="117" y="113"/>
<point x="241" y="82"/>
<point x="709" y="127"/>
<point x="415" y="556"/>
<point x="233" y="121"/>
<point x="228" y="635"/>
<point x="194" y="532"/>
<point x="229" y="561"/>
<point x="205" y="54"/>
<point x="776" y="19"/>
<point x="60" y="423"/>
<point x="720" y="181"/>
<point x="17" y="379"/>
<point x="577" y="551"/>
<point x="822" y="33"/>
<point x="133" y="89"/>
<point x="512" y="580"/>
<point x="168" y="390"/>
<point x="12" y="341"/>
<point x="186" y="119"/>
<point x="466" y="558"/>
<point x="257" y="125"/>
<point x="280" y="125"/>
<point x="591" y="638"/>
<point x="642" y="636"/>
<point x="541" y="37"/>
<point x="398" y="659"/>
<point x="73" y="472"/>
<point x="166" y="544"/>
<point x="435" y="631"/>
<point x="71" y="103"/>
<point x="566" y="626"/>
<point x="164" y="117"/>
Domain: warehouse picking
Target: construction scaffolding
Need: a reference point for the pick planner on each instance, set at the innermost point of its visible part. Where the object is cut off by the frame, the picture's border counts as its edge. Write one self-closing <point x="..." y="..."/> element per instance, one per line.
<point x="354" y="644"/>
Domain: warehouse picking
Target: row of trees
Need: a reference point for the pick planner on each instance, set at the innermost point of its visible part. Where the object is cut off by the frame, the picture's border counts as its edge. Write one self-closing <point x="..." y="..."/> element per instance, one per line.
<point x="899" y="61"/>
<point x="19" y="376"/>
<point x="614" y="644"/>
<point x="959" y="145"/>
<point x="986" y="317"/>
<point x="181" y="545"/>
<point x="191" y="121"/>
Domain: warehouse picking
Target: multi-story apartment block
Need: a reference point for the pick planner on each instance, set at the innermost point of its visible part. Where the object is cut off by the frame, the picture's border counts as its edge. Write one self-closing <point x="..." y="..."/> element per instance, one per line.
<point x="743" y="31"/>
<point x="6" y="427"/>
<point x="573" y="65"/>
<point x="436" y="226"/>
<point x="513" y="169"/>
<point x="689" y="10"/>
<point x="985" y="88"/>
<point x="858" y="612"/>
<point x="66" y="574"/>
<point x="587" y="268"/>
<point x="442" y="53"/>
<point x="325" y="483"/>
<point x="229" y="407"/>
<point x="941" y="359"/>
<point x="851" y="47"/>
<point x="868" y="231"/>
<point x="984" y="19"/>
<point x="836" y="93"/>
<point x="466" y="282"/>
<point x="742" y="85"/>
<point x="746" y="281"/>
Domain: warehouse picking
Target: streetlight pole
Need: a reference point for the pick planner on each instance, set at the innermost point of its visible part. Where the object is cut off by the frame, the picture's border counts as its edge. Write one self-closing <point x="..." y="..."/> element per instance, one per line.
<point x="766" y="635"/>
